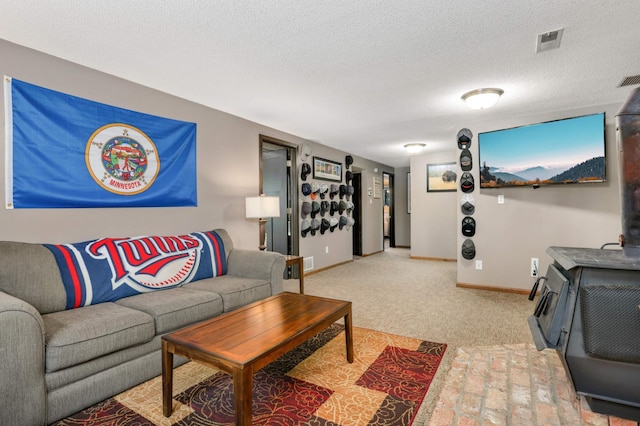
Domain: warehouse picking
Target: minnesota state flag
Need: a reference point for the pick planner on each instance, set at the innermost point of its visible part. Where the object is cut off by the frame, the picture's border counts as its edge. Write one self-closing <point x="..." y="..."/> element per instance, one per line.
<point x="62" y="151"/>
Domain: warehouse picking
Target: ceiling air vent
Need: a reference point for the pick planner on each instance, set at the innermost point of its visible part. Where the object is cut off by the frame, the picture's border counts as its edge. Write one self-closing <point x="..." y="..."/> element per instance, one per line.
<point x="630" y="81"/>
<point x="549" y="40"/>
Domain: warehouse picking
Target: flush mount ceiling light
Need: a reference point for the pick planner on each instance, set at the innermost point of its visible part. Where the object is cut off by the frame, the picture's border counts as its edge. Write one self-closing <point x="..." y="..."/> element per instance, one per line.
<point x="414" y="148"/>
<point x="482" y="98"/>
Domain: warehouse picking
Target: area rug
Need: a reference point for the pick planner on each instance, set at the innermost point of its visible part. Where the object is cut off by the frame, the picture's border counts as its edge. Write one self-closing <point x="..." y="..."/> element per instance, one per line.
<point x="311" y="385"/>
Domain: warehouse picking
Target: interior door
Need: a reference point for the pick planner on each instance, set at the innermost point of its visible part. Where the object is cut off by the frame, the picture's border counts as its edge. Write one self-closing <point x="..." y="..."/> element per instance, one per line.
<point x="275" y="183"/>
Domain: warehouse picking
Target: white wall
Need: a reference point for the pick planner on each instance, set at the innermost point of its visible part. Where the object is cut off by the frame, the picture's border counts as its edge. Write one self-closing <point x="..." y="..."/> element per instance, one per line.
<point x="509" y="235"/>
<point x="433" y="214"/>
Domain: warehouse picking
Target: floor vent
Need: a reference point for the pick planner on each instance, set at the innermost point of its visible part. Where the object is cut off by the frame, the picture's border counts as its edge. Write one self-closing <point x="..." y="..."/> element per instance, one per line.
<point x="630" y="81"/>
<point x="308" y="263"/>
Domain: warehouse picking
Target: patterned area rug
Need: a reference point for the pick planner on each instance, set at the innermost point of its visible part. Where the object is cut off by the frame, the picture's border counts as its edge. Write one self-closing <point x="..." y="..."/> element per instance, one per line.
<point x="311" y="385"/>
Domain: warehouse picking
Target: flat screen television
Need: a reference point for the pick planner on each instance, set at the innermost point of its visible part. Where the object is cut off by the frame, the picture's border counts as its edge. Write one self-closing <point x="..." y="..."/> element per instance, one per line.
<point x="571" y="150"/>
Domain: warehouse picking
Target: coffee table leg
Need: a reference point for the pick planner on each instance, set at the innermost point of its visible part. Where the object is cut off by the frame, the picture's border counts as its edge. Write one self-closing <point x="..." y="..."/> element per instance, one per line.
<point x="348" y="332"/>
<point x="243" y="394"/>
<point x="167" y="380"/>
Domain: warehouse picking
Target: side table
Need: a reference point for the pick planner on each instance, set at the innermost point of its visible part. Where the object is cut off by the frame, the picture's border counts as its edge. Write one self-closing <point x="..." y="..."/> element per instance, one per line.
<point x="291" y="260"/>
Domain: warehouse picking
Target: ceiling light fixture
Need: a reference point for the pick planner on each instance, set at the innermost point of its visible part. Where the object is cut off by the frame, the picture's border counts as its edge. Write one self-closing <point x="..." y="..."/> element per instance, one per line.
<point x="414" y="148"/>
<point x="482" y="98"/>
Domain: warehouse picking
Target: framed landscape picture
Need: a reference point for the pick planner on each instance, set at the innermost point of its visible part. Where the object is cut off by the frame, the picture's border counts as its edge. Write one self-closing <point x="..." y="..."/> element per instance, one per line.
<point x="327" y="169"/>
<point x="441" y="177"/>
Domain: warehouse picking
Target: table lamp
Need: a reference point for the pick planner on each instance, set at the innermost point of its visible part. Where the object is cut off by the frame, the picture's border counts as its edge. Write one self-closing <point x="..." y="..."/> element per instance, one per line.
<point x="261" y="208"/>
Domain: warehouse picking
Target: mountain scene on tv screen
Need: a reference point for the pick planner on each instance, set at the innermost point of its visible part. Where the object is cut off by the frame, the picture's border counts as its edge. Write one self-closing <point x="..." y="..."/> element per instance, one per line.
<point x="592" y="170"/>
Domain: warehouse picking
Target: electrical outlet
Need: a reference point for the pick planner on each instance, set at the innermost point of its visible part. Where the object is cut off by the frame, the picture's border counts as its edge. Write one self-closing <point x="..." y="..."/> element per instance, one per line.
<point x="479" y="265"/>
<point x="326" y="249"/>
<point x="534" y="266"/>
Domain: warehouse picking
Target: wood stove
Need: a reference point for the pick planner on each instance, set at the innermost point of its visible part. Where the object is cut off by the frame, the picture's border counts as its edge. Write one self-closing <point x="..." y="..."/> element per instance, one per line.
<point x="588" y="310"/>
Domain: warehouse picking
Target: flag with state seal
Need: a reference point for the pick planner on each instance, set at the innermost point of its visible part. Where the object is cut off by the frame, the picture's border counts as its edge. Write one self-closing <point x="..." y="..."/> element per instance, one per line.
<point x="62" y="151"/>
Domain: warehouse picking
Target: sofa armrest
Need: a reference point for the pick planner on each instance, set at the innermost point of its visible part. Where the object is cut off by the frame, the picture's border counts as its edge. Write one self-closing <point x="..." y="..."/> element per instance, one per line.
<point x="22" y="388"/>
<point x="265" y="265"/>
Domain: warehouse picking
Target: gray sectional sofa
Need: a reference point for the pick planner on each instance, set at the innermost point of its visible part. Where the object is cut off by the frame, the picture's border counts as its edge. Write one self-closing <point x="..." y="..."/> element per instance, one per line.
<point x="56" y="361"/>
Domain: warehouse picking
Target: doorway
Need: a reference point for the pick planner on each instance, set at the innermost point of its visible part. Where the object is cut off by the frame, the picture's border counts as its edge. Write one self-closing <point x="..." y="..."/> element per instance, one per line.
<point x="356" y="233"/>
<point x="278" y="178"/>
<point x="388" y="226"/>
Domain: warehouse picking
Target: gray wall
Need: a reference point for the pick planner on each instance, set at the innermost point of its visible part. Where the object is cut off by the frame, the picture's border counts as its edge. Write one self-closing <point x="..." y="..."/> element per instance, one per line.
<point x="227" y="167"/>
<point x="529" y="221"/>
<point x="402" y="217"/>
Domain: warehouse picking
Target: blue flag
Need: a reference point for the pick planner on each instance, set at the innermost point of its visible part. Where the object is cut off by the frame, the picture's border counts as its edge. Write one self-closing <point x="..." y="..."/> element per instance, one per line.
<point x="63" y="151"/>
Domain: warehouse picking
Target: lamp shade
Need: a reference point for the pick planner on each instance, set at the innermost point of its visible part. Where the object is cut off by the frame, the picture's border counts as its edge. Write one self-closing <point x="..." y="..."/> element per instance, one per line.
<point x="482" y="98"/>
<point x="262" y="206"/>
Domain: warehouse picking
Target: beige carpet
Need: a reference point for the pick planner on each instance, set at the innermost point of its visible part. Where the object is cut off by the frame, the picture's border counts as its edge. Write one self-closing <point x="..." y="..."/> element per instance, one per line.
<point x="418" y="298"/>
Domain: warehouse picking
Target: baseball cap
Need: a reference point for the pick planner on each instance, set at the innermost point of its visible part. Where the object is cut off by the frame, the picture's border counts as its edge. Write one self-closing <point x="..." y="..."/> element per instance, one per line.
<point x="333" y="222"/>
<point x="350" y="206"/>
<point x="468" y="249"/>
<point x="348" y="176"/>
<point x="350" y="222"/>
<point x="464" y="138"/>
<point x="315" y="188"/>
<point x="324" y="225"/>
<point x="324" y="207"/>
<point x="305" y="209"/>
<point x="466" y="182"/>
<point x="465" y="160"/>
<point x="324" y="188"/>
<point x="348" y="161"/>
<point x="315" y="208"/>
<point x="350" y="191"/>
<point x="342" y="206"/>
<point x="305" y="227"/>
<point x="342" y="222"/>
<point x="305" y="170"/>
<point x="468" y="226"/>
<point x="306" y="189"/>
<point x="467" y="204"/>
<point x="334" y="190"/>
<point x="334" y="207"/>
<point x="343" y="190"/>
<point x="315" y="225"/>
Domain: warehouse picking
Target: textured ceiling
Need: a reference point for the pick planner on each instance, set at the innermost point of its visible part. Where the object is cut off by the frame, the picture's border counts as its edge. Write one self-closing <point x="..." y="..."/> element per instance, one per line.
<point x="364" y="76"/>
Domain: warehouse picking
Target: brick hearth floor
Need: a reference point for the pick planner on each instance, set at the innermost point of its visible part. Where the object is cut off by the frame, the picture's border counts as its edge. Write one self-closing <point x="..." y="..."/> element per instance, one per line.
<point x="512" y="385"/>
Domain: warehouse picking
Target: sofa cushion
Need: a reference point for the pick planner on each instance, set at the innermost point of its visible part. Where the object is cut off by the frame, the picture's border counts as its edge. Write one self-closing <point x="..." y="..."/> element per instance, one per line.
<point x="235" y="291"/>
<point x="175" y="308"/>
<point x="29" y="272"/>
<point x="108" y="269"/>
<point x="79" y="335"/>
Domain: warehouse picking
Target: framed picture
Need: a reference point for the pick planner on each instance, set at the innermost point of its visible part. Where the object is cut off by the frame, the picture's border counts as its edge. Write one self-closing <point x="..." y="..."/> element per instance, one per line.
<point x="441" y="177"/>
<point x="326" y="169"/>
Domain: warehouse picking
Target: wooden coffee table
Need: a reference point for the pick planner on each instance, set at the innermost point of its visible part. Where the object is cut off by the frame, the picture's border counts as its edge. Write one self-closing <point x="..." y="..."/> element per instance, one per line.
<point x="243" y="341"/>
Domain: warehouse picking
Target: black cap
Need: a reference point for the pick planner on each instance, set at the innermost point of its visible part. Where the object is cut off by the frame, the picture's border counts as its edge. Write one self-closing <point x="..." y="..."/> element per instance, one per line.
<point x="324" y="207"/>
<point x="348" y="176"/>
<point x="334" y="207"/>
<point x="466" y="182"/>
<point x="348" y="161"/>
<point x="468" y="226"/>
<point x="468" y="249"/>
<point x="343" y="190"/>
<point x="304" y="172"/>
<point x="324" y="225"/>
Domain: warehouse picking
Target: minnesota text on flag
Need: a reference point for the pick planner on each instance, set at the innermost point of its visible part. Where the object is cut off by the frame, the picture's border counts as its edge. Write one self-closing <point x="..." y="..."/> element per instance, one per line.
<point x="66" y="151"/>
